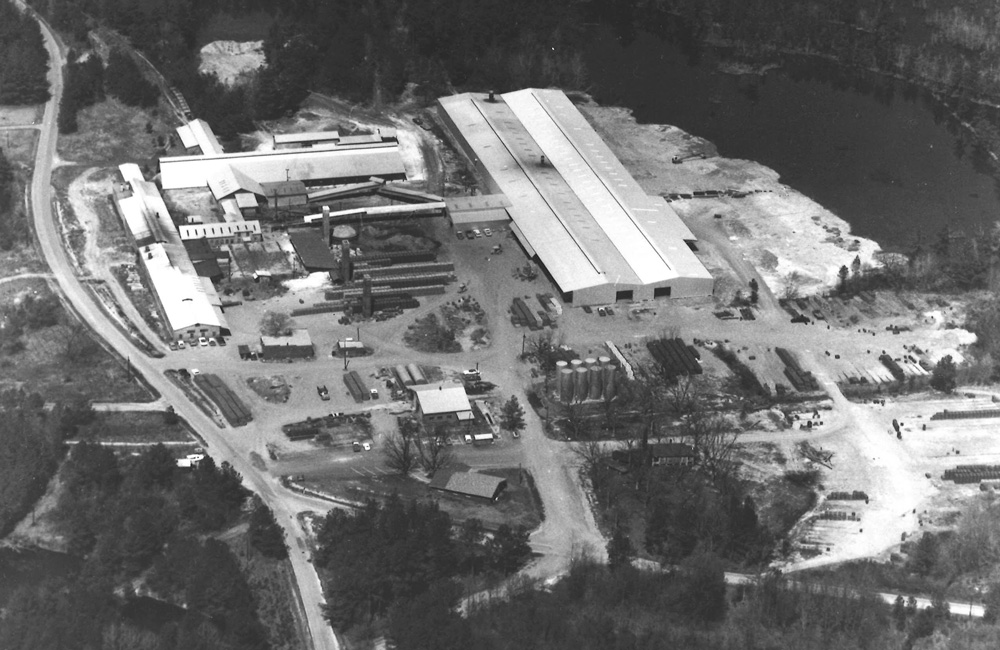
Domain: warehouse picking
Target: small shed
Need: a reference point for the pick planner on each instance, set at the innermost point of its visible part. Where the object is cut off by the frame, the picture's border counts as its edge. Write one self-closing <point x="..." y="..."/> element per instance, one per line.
<point x="671" y="453"/>
<point x="298" y="345"/>
<point x="470" y="484"/>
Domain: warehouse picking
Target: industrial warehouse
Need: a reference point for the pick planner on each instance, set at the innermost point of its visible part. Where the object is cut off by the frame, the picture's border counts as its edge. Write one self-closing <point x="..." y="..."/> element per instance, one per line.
<point x="573" y="205"/>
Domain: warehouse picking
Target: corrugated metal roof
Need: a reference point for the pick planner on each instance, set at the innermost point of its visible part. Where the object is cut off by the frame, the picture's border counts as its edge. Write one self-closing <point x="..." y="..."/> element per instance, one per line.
<point x="584" y="215"/>
<point x="313" y="253"/>
<point x="306" y="136"/>
<point x="215" y="230"/>
<point x="205" y="137"/>
<point x="442" y="397"/>
<point x="181" y="293"/>
<point x="308" y="165"/>
<point x="187" y="137"/>
<point x="470" y="483"/>
<point x="226" y="181"/>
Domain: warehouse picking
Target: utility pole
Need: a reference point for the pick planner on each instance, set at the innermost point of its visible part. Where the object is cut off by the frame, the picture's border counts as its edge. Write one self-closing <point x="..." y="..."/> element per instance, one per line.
<point x="524" y="338"/>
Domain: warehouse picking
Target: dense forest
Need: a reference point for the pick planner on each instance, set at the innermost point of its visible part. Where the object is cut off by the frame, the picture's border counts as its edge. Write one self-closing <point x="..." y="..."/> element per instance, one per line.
<point x="391" y="566"/>
<point x="141" y="520"/>
<point x="14" y="228"/>
<point x="25" y="62"/>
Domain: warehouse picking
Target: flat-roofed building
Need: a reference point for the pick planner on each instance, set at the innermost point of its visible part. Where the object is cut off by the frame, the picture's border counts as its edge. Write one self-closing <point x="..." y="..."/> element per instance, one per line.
<point x="444" y="401"/>
<point x="298" y="345"/>
<point x="217" y="234"/>
<point x="573" y="205"/>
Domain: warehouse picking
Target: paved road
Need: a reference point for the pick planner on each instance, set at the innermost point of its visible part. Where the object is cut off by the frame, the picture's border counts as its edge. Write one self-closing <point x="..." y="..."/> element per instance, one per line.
<point x="285" y="504"/>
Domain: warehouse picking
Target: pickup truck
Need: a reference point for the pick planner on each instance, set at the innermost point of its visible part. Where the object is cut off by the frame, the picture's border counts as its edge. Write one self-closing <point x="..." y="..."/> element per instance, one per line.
<point x="324" y="393"/>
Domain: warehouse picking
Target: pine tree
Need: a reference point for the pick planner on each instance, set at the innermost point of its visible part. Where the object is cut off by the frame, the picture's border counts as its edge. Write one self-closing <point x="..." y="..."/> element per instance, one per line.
<point x="512" y="416"/>
<point x="265" y="534"/>
<point x="619" y="548"/>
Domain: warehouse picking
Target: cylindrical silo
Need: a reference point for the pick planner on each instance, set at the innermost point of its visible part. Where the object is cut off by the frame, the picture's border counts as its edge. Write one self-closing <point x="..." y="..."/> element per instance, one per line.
<point x="596" y="382"/>
<point x="566" y="385"/>
<point x="576" y="363"/>
<point x="609" y="371"/>
<point x="581" y="383"/>
<point x="603" y="361"/>
<point x="590" y="362"/>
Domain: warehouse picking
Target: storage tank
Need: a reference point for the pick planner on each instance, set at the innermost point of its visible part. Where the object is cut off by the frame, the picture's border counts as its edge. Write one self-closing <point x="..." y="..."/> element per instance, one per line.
<point x="581" y="383"/>
<point x="603" y="361"/>
<point x="566" y="385"/>
<point x="609" y="372"/>
<point x="404" y="377"/>
<point x="596" y="382"/>
<point x="590" y="362"/>
<point x="576" y="363"/>
<point x="415" y="374"/>
<point x="560" y="366"/>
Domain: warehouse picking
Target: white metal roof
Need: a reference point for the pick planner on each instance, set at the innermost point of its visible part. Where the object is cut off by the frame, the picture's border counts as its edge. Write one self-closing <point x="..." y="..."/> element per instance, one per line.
<point x="587" y="219"/>
<point x="187" y="137"/>
<point x="185" y="302"/>
<point x="205" y="137"/>
<point x="308" y="164"/>
<point x="306" y="136"/>
<point x="226" y="181"/>
<point x="442" y="397"/>
<point x="214" y="230"/>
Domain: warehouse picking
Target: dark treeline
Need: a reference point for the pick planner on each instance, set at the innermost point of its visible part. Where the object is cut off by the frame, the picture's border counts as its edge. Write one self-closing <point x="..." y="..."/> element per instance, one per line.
<point x="137" y="517"/>
<point x="25" y="61"/>
<point x="594" y="607"/>
<point x="403" y="560"/>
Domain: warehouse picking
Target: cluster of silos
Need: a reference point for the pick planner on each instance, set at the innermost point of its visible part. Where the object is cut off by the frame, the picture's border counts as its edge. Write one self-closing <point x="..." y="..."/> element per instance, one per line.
<point x="580" y="380"/>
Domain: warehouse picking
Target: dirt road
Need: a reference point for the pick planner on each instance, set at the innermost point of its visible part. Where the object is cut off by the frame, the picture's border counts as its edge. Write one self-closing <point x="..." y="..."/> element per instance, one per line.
<point x="285" y="505"/>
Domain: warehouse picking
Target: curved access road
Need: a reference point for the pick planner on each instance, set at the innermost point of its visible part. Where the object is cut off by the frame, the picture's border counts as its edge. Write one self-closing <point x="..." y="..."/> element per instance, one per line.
<point x="285" y="505"/>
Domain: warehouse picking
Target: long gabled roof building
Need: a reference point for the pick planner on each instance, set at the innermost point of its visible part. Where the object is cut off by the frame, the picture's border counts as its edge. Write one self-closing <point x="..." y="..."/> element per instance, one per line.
<point x="573" y="205"/>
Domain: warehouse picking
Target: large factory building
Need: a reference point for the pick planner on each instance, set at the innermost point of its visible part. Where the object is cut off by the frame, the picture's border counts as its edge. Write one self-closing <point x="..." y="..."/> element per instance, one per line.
<point x="573" y="205"/>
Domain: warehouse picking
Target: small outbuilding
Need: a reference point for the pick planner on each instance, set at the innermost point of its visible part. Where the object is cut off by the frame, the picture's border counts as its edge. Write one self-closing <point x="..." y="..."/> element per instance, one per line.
<point x="470" y="484"/>
<point x="672" y="453"/>
<point x="298" y="345"/>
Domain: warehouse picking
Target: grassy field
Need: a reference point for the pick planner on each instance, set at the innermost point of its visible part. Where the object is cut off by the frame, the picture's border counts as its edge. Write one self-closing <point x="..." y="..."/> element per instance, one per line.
<point x="111" y="133"/>
<point x="135" y="426"/>
<point x="44" y="366"/>
<point x="20" y="115"/>
<point x="519" y="505"/>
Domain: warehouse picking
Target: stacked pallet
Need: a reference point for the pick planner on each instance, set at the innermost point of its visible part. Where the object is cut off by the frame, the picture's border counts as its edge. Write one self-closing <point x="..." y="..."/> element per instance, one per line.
<point x="404" y="280"/>
<point x="300" y="431"/>
<point x="354" y="383"/>
<point x="966" y="415"/>
<point x="856" y="495"/>
<point x="521" y="316"/>
<point x="893" y="367"/>
<point x="676" y="358"/>
<point x="388" y="259"/>
<point x="232" y="407"/>
<point x="801" y="380"/>
<point x="972" y="473"/>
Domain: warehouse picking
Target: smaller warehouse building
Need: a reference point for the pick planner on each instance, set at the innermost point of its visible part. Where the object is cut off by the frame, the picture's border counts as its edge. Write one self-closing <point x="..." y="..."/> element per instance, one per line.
<point x="672" y="454"/>
<point x="298" y="345"/>
<point x="469" y="484"/>
<point x="445" y="401"/>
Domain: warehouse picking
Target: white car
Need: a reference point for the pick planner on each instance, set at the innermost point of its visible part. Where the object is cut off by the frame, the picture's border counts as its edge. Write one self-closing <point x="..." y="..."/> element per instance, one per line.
<point x="195" y="372"/>
<point x="477" y="233"/>
<point x="487" y="232"/>
<point x="367" y="446"/>
<point x="202" y="341"/>
<point x="181" y="345"/>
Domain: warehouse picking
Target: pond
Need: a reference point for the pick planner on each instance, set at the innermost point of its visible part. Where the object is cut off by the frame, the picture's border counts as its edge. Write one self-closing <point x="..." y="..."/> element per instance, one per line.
<point x="881" y="155"/>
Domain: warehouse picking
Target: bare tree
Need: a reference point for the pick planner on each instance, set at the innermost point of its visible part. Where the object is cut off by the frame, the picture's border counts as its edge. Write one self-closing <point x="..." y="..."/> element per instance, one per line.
<point x="275" y="323"/>
<point x="433" y="454"/>
<point x="714" y="440"/>
<point x="400" y="453"/>
<point x="78" y="345"/>
<point x="575" y="423"/>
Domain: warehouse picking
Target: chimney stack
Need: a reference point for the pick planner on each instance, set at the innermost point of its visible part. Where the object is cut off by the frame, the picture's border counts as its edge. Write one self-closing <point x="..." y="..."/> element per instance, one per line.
<point x="345" y="260"/>
<point x="326" y="225"/>
<point x="367" y="301"/>
<point x="492" y="98"/>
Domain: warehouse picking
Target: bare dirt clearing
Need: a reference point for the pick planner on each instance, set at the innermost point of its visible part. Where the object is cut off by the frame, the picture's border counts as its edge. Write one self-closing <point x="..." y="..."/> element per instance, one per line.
<point x="231" y="61"/>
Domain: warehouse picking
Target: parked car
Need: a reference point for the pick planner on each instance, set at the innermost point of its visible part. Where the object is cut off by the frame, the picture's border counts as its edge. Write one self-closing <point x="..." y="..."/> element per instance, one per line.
<point x="601" y="311"/>
<point x="487" y="232"/>
<point x="324" y="393"/>
<point x="470" y="234"/>
<point x="516" y="433"/>
<point x="173" y="345"/>
<point x="477" y="233"/>
<point x="212" y="342"/>
<point x="367" y="446"/>
<point x="587" y="309"/>
<point x="202" y="341"/>
<point x="222" y="342"/>
<point x="459" y="234"/>
<point x="610" y="311"/>
<point x="181" y="345"/>
<point x="374" y="393"/>
<point x="195" y="372"/>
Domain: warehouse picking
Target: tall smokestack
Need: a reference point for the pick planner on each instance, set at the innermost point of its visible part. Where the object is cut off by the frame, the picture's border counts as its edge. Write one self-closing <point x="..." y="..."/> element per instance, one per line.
<point x="326" y="225"/>
<point x="345" y="260"/>
<point x="367" y="301"/>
